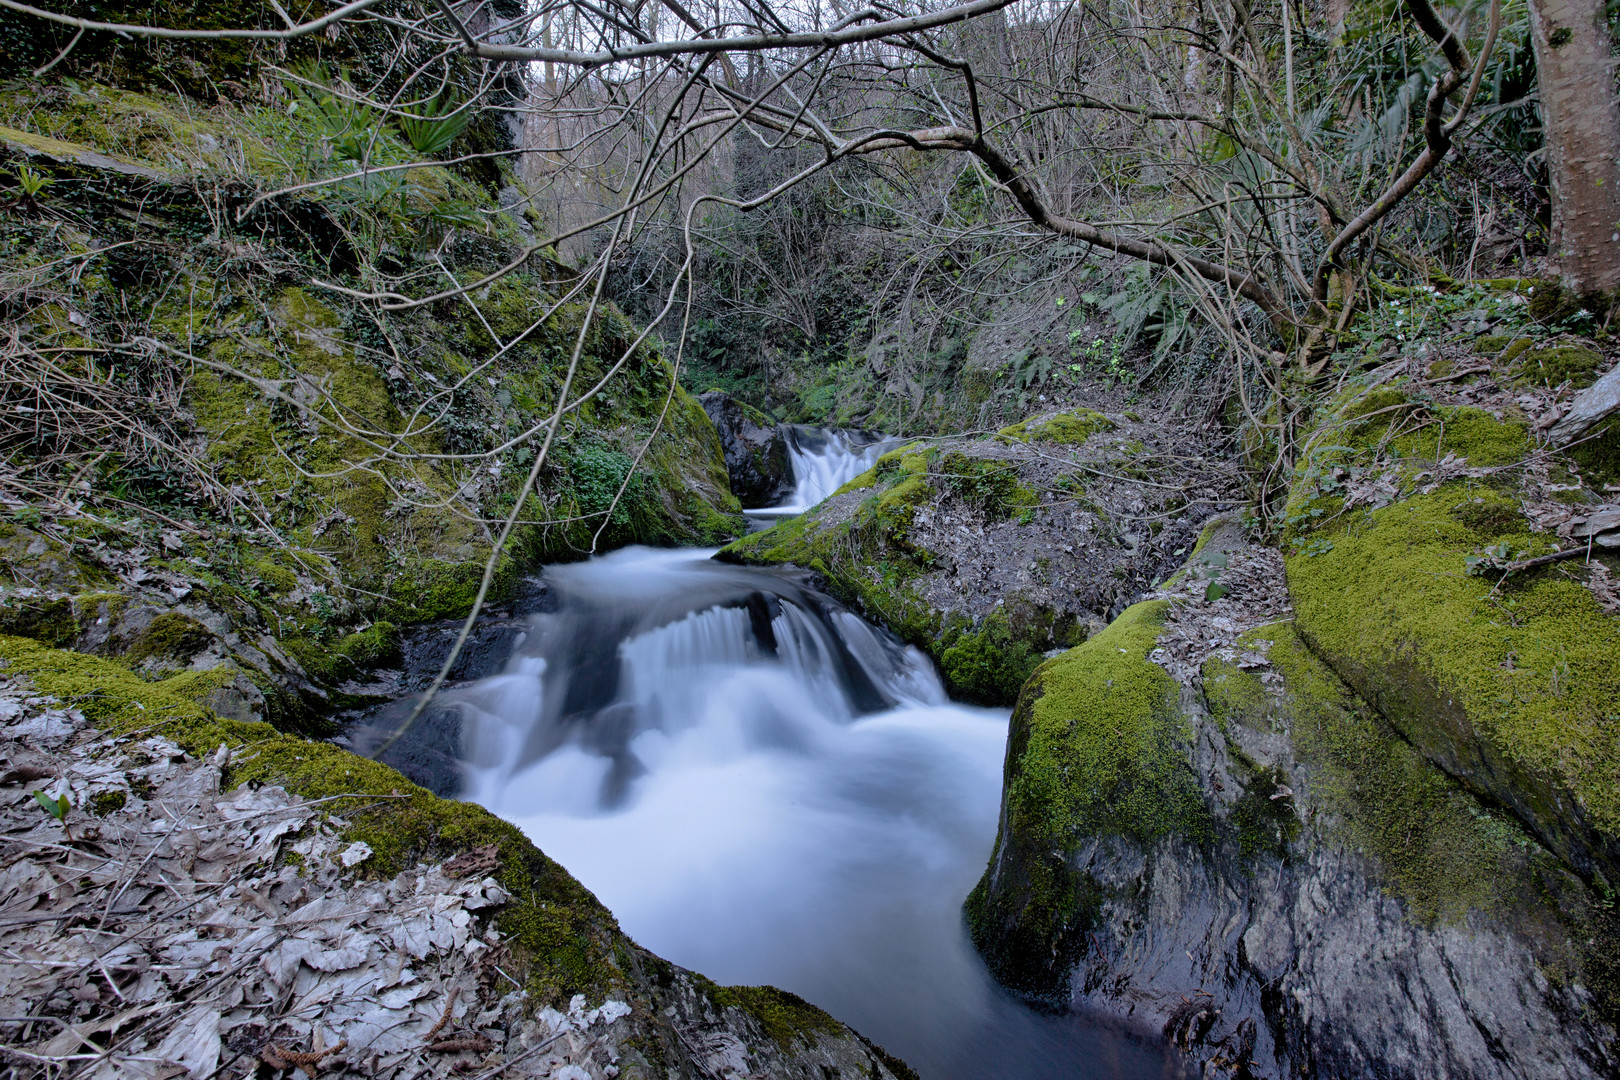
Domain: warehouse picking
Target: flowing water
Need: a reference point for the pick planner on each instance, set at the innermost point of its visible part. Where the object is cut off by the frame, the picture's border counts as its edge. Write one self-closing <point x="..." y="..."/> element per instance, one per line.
<point x="767" y="789"/>
<point x="823" y="460"/>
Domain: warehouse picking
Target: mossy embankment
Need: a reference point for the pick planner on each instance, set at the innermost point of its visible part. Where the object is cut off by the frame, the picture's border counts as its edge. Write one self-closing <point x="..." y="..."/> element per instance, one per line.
<point x="989" y="552"/>
<point x="1094" y="752"/>
<point x="308" y="463"/>
<point x="1507" y="681"/>
<point x="1194" y="814"/>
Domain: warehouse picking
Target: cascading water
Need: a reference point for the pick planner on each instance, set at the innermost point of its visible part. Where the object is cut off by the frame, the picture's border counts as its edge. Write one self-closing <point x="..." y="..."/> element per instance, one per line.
<point x="823" y="460"/>
<point x="766" y="789"/>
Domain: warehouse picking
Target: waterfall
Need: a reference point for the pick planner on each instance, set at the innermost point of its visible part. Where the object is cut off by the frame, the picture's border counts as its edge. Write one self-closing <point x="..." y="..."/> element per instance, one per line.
<point x="823" y="460"/>
<point x="765" y="788"/>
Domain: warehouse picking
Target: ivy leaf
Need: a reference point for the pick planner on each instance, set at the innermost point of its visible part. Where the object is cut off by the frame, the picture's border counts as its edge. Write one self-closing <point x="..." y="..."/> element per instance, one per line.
<point x="1215" y="591"/>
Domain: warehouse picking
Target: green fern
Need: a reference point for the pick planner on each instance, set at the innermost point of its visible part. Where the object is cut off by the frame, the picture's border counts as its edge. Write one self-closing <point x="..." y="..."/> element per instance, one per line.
<point x="435" y="127"/>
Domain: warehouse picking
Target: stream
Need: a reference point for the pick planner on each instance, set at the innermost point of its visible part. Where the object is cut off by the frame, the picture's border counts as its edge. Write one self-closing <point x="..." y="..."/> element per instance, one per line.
<point x="765" y="788"/>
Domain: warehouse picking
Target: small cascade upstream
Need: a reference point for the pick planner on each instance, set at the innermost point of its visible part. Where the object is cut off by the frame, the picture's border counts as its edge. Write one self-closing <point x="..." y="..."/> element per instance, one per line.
<point x="765" y="788"/>
<point x="823" y="460"/>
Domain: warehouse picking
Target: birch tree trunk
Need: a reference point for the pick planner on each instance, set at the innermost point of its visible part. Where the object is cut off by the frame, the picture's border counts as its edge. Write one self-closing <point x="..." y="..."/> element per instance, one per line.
<point x="1581" y="114"/>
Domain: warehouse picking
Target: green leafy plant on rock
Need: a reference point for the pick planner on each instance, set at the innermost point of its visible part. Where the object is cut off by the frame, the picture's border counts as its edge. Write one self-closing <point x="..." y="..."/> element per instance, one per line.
<point x="435" y="126"/>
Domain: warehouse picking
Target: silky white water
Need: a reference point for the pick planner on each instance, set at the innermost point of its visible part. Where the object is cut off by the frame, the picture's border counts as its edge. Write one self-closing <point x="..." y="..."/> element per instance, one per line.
<point x="766" y="789"/>
<point x="823" y="460"/>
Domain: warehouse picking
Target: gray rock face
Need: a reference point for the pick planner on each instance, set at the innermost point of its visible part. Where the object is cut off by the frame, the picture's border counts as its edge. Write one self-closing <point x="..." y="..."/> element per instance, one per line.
<point x="1305" y="966"/>
<point x="1339" y="907"/>
<point x="755" y="449"/>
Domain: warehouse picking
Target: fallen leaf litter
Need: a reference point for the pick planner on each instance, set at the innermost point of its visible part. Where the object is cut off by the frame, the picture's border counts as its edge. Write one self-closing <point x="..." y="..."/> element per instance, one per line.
<point x="186" y="931"/>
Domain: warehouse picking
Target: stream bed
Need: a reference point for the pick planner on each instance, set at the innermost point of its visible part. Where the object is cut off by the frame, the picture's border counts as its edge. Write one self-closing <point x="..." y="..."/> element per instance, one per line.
<point x="765" y="788"/>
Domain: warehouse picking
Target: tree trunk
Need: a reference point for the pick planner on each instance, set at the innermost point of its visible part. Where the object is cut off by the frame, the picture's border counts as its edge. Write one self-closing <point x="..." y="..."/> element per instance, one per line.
<point x="1581" y="115"/>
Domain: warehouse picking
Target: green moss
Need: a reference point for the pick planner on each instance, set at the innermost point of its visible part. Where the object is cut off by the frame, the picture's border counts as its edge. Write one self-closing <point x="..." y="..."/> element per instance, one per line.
<point x="1598" y="454"/>
<point x="1575" y="364"/>
<point x="1488" y="345"/>
<point x="1434" y="845"/>
<point x="1094" y="746"/>
<point x="51" y="620"/>
<point x="1237" y="696"/>
<point x="1490" y="514"/>
<point x="1516" y="348"/>
<point x="1511" y="687"/>
<point x="107" y="802"/>
<point x="171" y="636"/>
<point x="787" y="1018"/>
<point x="1263" y="821"/>
<point x="1474" y="433"/>
<point x="1066" y="428"/>
<point x="273" y="574"/>
<point x="565" y="941"/>
<point x="1096" y="750"/>
<point x="986" y="484"/>
<point x="375" y="646"/>
<point x="989" y="665"/>
<point x="437" y="589"/>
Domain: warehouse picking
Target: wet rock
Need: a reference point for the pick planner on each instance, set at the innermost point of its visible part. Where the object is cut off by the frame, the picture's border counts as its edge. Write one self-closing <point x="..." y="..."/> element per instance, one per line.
<point x="755" y="449"/>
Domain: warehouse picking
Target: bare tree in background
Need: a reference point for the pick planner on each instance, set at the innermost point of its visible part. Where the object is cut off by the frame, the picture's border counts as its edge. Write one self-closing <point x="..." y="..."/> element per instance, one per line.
<point x="1192" y="141"/>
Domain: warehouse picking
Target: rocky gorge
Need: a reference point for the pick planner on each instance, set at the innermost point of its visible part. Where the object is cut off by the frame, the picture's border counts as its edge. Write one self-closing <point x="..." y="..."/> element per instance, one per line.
<point x="1313" y="765"/>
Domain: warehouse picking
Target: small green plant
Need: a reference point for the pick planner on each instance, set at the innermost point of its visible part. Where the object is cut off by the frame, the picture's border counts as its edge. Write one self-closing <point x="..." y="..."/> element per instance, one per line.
<point x="57" y="808"/>
<point x="1312" y="547"/>
<point x="435" y="126"/>
<point x="348" y="126"/>
<point x="32" y="184"/>
<point x="598" y="473"/>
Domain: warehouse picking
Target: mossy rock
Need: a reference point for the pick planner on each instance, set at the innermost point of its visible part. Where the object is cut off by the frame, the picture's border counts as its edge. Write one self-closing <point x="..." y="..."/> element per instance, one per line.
<point x="375" y="646"/>
<point x="1065" y="429"/>
<point x="1391" y="429"/>
<point x="54" y="620"/>
<point x="1096" y="750"/>
<point x="988" y="485"/>
<point x="170" y="637"/>
<point x="1516" y="348"/>
<point x="1510" y="687"/>
<point x="868" y="558"/>
<point x="1575" y="364"/>
<point x="1598" y="454"/>
<point x="988" y="665"/>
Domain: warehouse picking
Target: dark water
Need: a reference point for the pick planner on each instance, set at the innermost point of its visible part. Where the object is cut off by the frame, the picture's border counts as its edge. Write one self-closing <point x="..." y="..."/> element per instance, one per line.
<point x="766" y="789"/>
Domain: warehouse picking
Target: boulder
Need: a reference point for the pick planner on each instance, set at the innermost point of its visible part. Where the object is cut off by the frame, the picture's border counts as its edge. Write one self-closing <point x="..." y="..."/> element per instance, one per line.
<point x="755" y="449"/>
<point x="1205" y="830"/>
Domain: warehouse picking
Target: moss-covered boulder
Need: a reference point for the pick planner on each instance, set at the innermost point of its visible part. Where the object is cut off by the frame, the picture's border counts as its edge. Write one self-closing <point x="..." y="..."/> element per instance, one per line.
<point x="756" y="450"/>
<point x="989" y="553"/>
<point x="1093" y="754"/>
<point x="1507" y="681"/>
<point x="1205" y="830"/>
<point x="1066" y="428"/>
